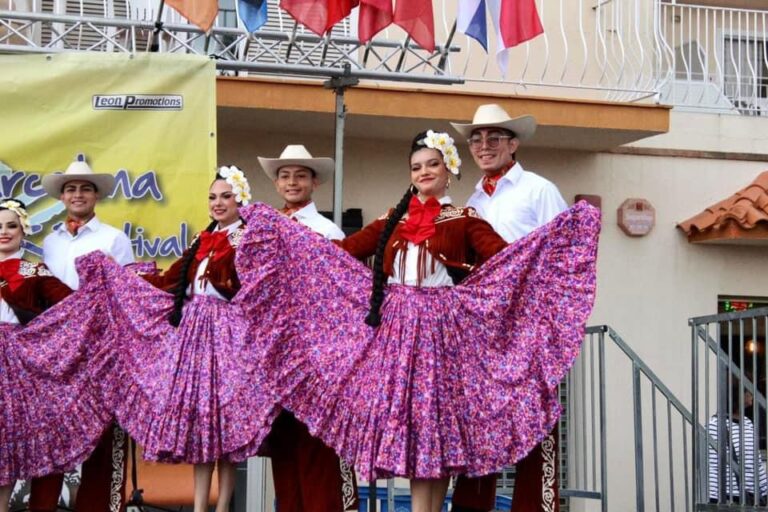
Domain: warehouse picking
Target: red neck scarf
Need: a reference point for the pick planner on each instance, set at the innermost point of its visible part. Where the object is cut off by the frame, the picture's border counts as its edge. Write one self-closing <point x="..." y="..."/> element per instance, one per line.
<point x="420" y="224"/>
<point x="74" y="225"/>
<point x="9" y="272"/>
<point x="490" y="182"/>
<point x="213" y="245"/>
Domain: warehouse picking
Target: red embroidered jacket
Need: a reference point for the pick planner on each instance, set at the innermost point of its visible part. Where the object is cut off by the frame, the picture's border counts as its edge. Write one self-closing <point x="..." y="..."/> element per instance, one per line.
<point x="461" y="241"/>
<point x="220" y="273"/>
<point x="37" y="292"/>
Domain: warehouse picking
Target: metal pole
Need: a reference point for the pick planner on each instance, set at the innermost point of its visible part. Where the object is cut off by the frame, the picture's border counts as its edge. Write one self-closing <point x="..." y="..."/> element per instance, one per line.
<point x="155" y="44"/>
<point x="695" y="413"/>
<point x="338" y="177"/>
<point x="339" y="85"/>
<point x="603" y="441"/>
<point x="637" y="395"/>
<point x="372" y="495"/>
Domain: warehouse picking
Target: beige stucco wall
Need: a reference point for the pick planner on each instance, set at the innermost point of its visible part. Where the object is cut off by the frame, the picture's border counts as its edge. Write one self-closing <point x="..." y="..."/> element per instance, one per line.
<point x="647" y="287"/>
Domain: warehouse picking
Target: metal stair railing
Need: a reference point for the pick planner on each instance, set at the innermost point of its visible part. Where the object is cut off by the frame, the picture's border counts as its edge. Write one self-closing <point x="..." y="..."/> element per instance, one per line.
<point x="661" y="427"/>
<point x="728" y="371"/>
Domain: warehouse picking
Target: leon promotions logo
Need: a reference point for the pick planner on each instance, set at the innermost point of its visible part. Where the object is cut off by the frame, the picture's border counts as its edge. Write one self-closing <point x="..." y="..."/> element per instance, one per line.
<point x="138" y="102"/>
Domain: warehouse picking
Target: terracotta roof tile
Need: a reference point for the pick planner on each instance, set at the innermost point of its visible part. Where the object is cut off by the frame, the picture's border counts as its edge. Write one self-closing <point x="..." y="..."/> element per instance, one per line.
<point x="732" y="218"/>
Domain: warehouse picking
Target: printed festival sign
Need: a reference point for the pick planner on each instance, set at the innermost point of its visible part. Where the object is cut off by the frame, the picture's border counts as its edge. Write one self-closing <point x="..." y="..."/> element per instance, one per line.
<point x="149" y="119"/>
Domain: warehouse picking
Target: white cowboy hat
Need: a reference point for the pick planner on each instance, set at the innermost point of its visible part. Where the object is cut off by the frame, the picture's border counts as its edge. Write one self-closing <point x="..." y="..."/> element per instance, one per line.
<point x="79" y="170"/>
<point x="296" y="154"/>
<point x="492" y="115"/>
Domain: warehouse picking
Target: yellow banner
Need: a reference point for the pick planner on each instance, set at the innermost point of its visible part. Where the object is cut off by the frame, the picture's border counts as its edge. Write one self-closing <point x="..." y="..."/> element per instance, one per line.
<point x="149" y="119"/>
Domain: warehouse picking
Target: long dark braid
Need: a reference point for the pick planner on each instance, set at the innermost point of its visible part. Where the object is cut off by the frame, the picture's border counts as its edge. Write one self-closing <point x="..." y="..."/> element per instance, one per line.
<point x="180" y="292"/>
<point x="379" y="277"/>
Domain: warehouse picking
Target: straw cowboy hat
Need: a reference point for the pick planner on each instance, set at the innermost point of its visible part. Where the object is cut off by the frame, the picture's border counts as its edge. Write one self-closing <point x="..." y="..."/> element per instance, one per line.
<point x="296" y="154"/>
<point x="492" y="115"/>
<point x="79" y="170"/>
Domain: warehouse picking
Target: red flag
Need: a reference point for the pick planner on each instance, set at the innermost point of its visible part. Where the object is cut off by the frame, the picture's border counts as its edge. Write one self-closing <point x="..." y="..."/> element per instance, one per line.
<point x="374" y="16"/>
<point x="519" y="21"/>
<point x="319" y="16"/>
<point x="415" y="17"/>
<point x="200" y="12"/>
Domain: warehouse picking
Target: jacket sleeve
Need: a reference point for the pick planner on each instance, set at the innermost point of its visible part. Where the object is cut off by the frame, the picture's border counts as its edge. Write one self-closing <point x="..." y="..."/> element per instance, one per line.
<point x="170" y="278"/>
<point x="482" y="238"/>
<point x="363" y="244"/>
<point x="50" y="290"/>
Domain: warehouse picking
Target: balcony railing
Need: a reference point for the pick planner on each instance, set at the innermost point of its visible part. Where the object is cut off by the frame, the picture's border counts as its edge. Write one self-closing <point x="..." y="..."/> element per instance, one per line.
<point x="696" y="57"/>
<point x="716" y="58"/>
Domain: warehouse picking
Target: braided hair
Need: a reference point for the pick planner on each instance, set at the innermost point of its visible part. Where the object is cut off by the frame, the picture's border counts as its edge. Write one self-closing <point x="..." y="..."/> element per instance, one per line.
<point x="180" y="291"/>
<point x="379" y="277"/>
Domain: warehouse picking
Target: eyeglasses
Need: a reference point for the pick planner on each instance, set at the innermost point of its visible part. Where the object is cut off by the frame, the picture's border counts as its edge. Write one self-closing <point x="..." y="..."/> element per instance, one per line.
<point x="491" y="141"/>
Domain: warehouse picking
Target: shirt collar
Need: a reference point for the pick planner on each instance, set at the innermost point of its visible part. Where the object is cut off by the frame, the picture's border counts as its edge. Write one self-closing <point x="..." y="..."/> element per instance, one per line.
<point x="308" y="211"/>
<point x="512" y="175"/>
<point x="17" y="255"/>
<point x="443" y="200"/>
<point x="231" y="228"/>
<point x="92" y="225"/>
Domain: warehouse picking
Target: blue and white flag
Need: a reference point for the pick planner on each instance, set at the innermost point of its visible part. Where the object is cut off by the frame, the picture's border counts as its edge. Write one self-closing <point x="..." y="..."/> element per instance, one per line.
<point x="472" y="22"/>
<point x="253" y="13"/>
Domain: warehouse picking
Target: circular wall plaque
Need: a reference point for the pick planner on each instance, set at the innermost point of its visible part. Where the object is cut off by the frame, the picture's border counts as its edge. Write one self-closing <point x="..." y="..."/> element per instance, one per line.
<point x="636" y="217"/>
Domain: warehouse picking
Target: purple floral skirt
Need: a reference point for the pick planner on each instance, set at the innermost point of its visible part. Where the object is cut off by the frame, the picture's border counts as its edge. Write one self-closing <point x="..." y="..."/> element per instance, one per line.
<point x="52" y="417"/>
<point x="186" y="394"/>
<point x="456" y="380"/>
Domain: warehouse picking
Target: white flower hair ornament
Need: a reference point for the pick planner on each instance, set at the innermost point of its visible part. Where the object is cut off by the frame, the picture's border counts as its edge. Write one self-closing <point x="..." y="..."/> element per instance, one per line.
<point x="238" y="182"/>
<point x="17" y="208"/>
<point x="443" y="142"/>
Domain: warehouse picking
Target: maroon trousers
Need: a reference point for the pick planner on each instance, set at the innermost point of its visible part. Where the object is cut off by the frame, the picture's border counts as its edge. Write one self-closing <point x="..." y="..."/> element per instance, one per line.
<point x="103" y="483"/>
<point x="309" y="477"/>
<point x="536" y="485"/>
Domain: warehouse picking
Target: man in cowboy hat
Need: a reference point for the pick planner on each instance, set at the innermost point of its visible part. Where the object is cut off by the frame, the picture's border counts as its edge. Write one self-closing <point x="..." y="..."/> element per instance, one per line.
<point x="515" y="202"/>
<point x="297" y="174"/>
<point x="79" y="188"/>
<point x="308" y="475"/>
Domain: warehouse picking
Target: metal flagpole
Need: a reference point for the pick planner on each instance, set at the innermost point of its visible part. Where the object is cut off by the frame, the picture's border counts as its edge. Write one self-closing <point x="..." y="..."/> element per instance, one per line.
<point x="339" y="85"/>
<point x="155" y="41"/>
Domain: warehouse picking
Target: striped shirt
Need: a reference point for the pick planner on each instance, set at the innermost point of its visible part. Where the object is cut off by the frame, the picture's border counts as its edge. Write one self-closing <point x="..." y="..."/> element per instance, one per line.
<point x="748" y="477"/>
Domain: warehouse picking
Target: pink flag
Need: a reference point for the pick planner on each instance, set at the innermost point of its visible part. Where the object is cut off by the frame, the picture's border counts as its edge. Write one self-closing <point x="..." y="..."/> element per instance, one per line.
<point x="415" y="17"/>
<point x="319" y="16"/>
<point x="374" y="16"/>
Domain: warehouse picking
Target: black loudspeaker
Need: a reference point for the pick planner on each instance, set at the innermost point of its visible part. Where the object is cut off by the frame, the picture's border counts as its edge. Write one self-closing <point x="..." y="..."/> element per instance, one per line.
<point x="351" y="219"/>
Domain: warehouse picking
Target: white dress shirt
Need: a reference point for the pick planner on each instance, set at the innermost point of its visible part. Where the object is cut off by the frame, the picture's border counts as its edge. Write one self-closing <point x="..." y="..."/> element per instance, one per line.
<point x="202" y="286"/>
<point x="522" y="202"/>
<point x="310" y="217"/>
<point x="7" y="314"/>
<point x="60" y="248"/>
<point x="439" y="277"/>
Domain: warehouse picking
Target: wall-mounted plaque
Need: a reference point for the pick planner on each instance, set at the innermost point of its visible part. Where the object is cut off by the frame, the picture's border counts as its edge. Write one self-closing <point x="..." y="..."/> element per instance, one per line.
<point x="636" y="217"/>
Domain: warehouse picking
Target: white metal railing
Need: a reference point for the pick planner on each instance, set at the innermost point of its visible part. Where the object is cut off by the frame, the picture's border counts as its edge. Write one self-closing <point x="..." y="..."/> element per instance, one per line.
<point x="700" y="57"/>
<point x="717" y="57"/>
